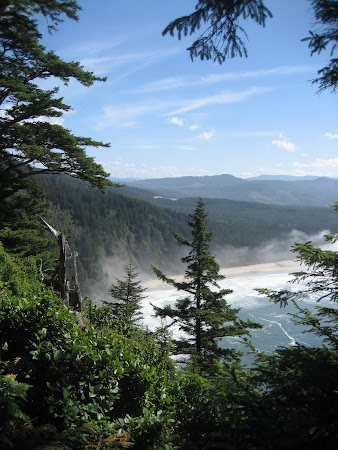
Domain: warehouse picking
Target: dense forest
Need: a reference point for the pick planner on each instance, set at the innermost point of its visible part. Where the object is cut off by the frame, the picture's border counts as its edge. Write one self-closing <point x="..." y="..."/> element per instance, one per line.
<point x="91" y="376"/>
<point x="319" y="191"/>
<point x="100" y="227"/>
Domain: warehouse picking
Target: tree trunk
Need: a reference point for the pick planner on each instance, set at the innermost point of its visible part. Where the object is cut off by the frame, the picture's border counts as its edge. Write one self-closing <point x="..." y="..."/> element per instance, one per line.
<point x="67" y="272"/>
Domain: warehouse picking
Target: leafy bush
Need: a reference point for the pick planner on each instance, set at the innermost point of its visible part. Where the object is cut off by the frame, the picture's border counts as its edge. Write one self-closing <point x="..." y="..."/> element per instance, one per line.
<point x="12" y="397"/>
<point x="78" y="374"/>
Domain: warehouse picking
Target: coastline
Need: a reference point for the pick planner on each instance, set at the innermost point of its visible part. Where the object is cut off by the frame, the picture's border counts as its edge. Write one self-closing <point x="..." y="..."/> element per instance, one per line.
<point x="287" y="266"/>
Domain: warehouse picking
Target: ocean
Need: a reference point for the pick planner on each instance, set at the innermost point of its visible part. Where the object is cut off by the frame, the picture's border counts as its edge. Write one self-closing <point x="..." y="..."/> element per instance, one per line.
<point x="278" y="327"/>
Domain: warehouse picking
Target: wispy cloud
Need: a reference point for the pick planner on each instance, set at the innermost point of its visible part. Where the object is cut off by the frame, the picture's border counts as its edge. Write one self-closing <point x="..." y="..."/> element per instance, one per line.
<point x="319" y="163"/>
<point x="263" y="73"/>
<point x="219" y="99"/>
<point x="121" y="169"/>
<point x="94" y="47"/>
<point x="284" y="143"/>
<point x="193" y="127"/>
<point x="125" y="115"/>
<point x="214" y="78"/>
<point x="103" y="64"/>
<point x="128" y="113"/>
<point x="176" y="121"/>
<point x="331" y="136"/>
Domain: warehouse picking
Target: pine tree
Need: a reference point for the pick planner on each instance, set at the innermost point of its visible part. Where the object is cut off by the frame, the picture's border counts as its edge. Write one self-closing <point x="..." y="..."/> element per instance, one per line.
<point x="28" y="134"/>
<point x="128" y="294"/>
<point x="31" y="140"/>
<point x="300" y="382"/>
<point x="224" y="35"/>
<point x="203" y="315"/>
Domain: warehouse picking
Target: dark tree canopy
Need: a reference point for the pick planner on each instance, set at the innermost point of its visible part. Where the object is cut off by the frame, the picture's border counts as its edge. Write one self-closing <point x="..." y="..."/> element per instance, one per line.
<point x="224" y="37"/>
<point x="31" y="139"/>
<point x="203" y="315"/>
<point x="325" y="38"/>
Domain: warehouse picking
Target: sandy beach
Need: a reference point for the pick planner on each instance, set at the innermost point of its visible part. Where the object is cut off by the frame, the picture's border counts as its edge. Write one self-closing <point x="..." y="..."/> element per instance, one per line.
<point x="288" y="266"/>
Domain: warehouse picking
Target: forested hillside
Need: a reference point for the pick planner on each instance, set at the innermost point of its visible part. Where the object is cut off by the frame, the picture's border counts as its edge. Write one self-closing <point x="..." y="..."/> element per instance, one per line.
<point x="314" y="192"/>
<point x="102" y="226"/>
<point x="304" y="218"/>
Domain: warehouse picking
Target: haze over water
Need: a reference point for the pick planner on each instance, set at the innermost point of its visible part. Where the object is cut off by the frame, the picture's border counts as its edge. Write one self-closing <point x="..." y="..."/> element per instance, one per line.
<point x="278" y="327"/>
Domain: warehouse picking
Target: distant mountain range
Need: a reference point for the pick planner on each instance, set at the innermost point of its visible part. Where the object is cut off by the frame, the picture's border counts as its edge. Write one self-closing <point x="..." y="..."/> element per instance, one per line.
<point x="270" y="189"/>
<point x="280" y="177"/>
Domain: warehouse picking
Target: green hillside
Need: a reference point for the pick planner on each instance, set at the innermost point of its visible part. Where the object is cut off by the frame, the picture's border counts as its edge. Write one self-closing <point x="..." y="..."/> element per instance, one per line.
<point x="287" y="218"/>
<point x="314" y="192"/>
<point x="101" y="226"/>
<point x="114" y="225"/>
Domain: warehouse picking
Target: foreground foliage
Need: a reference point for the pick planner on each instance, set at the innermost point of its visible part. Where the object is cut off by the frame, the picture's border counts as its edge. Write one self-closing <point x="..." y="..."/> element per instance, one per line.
<point x="77" y="375"/>
<point x="98" y="384"/>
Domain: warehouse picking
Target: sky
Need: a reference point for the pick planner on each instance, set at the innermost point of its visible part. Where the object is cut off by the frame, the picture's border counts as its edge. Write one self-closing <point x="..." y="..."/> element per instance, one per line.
<point x="167" y="116"/>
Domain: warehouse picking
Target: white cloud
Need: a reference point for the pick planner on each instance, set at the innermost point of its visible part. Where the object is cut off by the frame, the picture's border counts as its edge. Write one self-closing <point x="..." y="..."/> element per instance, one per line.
<point x="125" y="115"/>
<point x="176" y="121"/>
<point x="181" y="82"/>
<point x="331" y="136"/>
<point x="319" y="163"/>
<point x="128" y="113"/>
<point x="276" y="71"/>
<point x="247" y="174"/>
<point x="93" y="48"/>
<point x="219" y="99"/>
<point x="162" y="85"/>
<point x="206" y="136"/>
<point x="284" y="143"/>
<point x="103" y="64"/>
<point x="319" y="167"/>
<point x="193" y="127"/>
<point x="125" y="170"/>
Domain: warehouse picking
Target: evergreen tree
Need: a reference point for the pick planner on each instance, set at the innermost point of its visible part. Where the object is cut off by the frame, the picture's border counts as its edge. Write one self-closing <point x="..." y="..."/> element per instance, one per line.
<point x="321" y="277"/>
<point x="224" y="36"/>
<point x="204" y="315"/>
<point x="29" y="134"/>
<point x="300" y="382"/>
<point x="32" y="141"/>
<point x="128" y="294"/>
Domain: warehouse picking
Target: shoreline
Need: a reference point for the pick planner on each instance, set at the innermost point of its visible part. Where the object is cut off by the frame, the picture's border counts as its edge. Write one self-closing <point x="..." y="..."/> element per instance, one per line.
<point x="287" y="266"/>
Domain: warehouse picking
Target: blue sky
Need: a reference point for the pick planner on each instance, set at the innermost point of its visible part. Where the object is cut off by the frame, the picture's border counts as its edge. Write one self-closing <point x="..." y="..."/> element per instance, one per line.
<point x="166" y="116"/>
